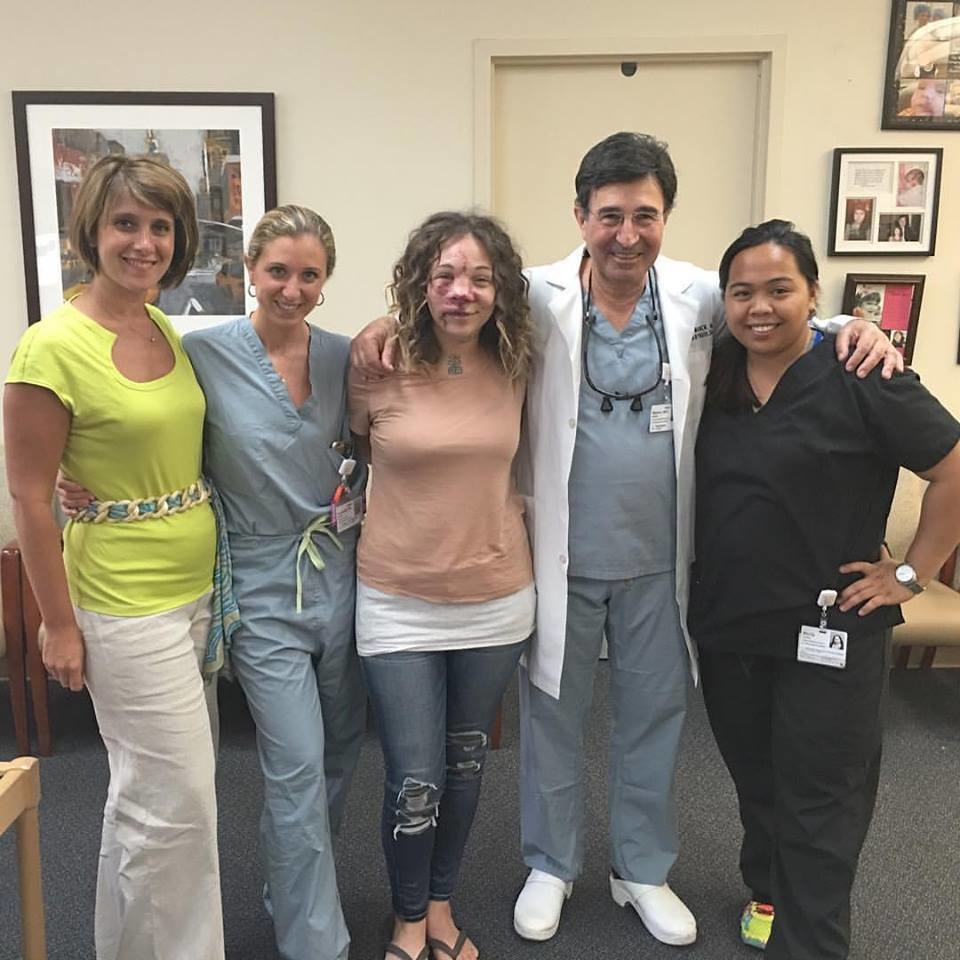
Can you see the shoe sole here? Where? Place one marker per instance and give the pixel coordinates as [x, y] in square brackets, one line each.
[623, 899]
[528, 934]
[540, 935]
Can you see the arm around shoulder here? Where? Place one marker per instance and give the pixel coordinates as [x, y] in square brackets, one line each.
[862, 345]
[372, 350]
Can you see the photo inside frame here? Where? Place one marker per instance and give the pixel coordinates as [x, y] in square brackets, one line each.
[888, 305]
[927, 71]
[210, 162]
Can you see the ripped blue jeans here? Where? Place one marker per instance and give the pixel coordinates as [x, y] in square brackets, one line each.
[433, 712]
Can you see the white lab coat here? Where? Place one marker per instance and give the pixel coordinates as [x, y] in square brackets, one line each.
[692, 313]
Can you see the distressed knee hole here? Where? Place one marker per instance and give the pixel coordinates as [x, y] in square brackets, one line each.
[466, 751]
[416, 809]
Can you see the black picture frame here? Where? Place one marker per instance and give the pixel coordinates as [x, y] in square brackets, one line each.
[58, 133]
[897, 191]
[891, 301]
[922, 80]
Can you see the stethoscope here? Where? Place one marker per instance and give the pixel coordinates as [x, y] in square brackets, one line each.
[590, 319]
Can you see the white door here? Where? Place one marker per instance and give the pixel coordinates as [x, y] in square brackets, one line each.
[547, 113]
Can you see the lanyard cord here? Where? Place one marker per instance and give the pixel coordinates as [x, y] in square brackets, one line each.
[306, 546]
[590, 318]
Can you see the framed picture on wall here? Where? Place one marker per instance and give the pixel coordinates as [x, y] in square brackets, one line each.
[891, 301]
[922, 84]
[884, 201]
[223, 143]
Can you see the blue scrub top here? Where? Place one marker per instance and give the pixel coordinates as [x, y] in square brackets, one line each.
[271, 461]
[622, 487]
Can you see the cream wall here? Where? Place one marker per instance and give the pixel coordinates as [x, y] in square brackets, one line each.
[375, 114]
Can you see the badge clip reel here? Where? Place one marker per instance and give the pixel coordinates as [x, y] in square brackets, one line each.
[820, 645]
[826, 600]
[346, 510]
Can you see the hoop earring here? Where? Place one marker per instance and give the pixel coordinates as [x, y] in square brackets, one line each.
[251, 289]
[322, 300]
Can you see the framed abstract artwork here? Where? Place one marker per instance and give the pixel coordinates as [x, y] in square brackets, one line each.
[223, 144]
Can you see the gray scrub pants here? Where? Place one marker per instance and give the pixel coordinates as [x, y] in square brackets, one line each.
[302, 680]
[650, 679]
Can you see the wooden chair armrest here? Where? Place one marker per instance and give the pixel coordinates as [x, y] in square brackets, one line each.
[23, 613]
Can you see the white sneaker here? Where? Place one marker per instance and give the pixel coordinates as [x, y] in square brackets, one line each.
[536, 914]
[663, 913]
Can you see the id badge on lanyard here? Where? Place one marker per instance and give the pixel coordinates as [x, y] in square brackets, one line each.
[661, 414]
[820, 645]
[346, 508]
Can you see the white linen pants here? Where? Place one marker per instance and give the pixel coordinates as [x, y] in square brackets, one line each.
[158, 881]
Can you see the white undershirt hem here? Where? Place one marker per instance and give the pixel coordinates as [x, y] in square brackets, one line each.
[388, 623]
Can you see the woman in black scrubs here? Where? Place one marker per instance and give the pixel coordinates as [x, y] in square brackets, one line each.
[797, 462]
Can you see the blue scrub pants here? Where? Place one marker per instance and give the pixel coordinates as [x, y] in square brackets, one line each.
[303, 684]
[650, 679]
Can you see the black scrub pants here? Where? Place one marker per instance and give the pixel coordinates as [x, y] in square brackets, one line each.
[802, 743]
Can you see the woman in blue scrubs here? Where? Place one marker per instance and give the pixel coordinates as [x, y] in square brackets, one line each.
[274, 438]
[273, 445]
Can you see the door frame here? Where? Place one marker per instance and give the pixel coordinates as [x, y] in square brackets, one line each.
[768, 52]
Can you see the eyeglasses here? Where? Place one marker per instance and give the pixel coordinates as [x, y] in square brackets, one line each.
[589, 321]
[641, 219]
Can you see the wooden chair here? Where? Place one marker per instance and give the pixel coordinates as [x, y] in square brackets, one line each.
[21, 623]
[933, 617]
[11, 646]
[12, 666]
[19, 800]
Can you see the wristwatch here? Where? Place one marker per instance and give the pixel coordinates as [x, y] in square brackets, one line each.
[907, 577]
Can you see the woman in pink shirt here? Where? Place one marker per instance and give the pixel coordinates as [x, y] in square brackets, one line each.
[445, 596]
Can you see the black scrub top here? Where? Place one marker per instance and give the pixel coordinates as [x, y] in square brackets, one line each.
[788, 493]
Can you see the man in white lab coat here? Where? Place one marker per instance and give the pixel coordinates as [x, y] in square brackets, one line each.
[625, 339]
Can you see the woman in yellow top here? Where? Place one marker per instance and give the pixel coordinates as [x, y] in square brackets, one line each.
[102, 388]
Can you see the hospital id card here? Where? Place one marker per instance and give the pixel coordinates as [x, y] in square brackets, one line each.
[823, 646]
[347, 514]
[661, 417]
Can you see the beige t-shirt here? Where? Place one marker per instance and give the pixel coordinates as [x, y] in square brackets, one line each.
[444, 522]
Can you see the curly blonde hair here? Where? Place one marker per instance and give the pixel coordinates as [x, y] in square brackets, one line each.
[507, 335]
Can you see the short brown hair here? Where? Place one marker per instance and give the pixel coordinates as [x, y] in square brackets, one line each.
[622, 158]
[150, 182]
[507, 335]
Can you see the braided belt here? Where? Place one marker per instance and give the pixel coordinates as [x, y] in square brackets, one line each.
[148, 508]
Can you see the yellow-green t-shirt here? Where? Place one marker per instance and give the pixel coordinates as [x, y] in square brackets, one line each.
[127, 440]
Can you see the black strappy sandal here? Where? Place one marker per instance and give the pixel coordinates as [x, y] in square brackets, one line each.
[402, 954]
[452, 952]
